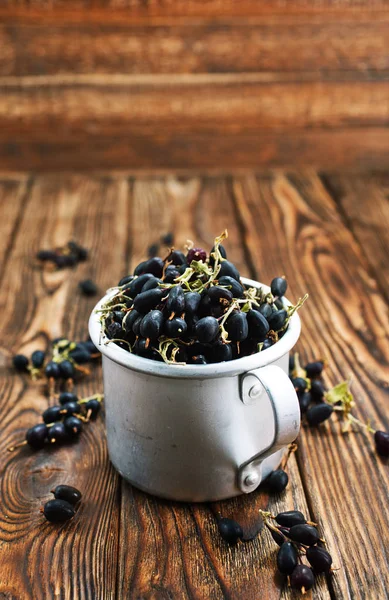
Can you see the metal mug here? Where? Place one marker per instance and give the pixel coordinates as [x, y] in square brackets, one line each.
[198, 432]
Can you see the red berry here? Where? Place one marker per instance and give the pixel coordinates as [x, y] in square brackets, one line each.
[196, 254]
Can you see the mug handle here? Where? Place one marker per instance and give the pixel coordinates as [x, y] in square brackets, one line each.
[286, 410]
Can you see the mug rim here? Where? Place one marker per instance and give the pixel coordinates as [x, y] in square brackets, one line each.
[223, 369]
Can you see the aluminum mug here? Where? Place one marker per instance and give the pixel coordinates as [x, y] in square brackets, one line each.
[198, 432]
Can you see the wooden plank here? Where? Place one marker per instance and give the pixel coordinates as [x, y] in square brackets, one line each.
[292, 227]
[364, 204]
[192, 104]
[361, 148]
[273, 44]
[173, 550]
[40, 560]
[13, 194]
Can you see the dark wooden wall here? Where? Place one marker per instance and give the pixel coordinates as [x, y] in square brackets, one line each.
[193, 84]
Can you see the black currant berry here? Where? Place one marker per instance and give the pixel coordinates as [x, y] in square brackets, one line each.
[237, 326]
[70, 408]
[66, 397]
[220, 352]
[218, 294]
[287, 558]
[73, 426]
[66, 369]
[52, 414]
[52, 370]
[265, 309]
[230, 530]
[81, 356]
[152, 325]
[381, 439]
[125, 280]
[317, 391]
[176, 301]
[277, 320]
[277, 537]
[290, 518]
[320, 413]
[137, 284]
[171, 274]
[46, 255]
[168, 239]
[37, 359]
[20, 362]
[300, 384]
[57, 433]
[93, 407]
[277, 481]
[68, 493]
[177, 258]
[314, 369]
[232, 284]
[192, 302]
[58, 511]
[151, 284]
[302, 578]
[153, 250]
[258, 325]
[88, 287]
[36, 436]
[207, 329]
[278, 286]
[130, 320]
[175, 328]
[228, 269]
[304, 399]
[304, 534]
[146, 301]
[319, 559]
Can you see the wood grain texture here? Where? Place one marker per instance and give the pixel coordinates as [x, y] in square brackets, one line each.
[363, 201]
[293, 228]
[270, 45]
[39, 560]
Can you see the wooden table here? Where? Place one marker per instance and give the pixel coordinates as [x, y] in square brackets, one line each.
[328, 233]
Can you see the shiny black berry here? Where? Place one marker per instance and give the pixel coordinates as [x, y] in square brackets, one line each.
[73, 426]
[68, 493]
[287, 558]
[302, 578]
[152, 324]
[304, 534]
[57, 433]
[317, 391]
[175, 328]
[130, 319]
[320, 413]
[137, 284]
[93, 407]
[81, 356]
[304, 399]
[278, 286]
[314, 369]
[146, 301]
[177, 258]
[52, 370]
[232, 284]
[66, 397]
[290, 518]
[237, 327]
[277, 320]
[381, 439]
[277, 481]
[300, 384]
[66, 369]
[58, 511]
[171, 274]
[37, 359]
[192, 302]
[88, 287]
[168, 238]
[319, 559]
[265, 309]
[207, 329]
[220, 352]
[219, 294]
[258, 325]
[230, 530]
[36, 436]
[52, 414]
[228, 269]
[153, 250]
[176, 301]
[70, 408]
[151, 284]
[126, 279]
[277, 537]
[20, 362]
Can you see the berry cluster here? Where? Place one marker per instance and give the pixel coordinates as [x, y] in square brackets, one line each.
[318, 404]
[193, 309]
[66, 363]
[297, 538]
[62, 423]
[64, 256]
[64, 506]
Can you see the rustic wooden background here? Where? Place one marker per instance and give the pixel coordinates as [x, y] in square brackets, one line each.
[193, 83]
[329, 235]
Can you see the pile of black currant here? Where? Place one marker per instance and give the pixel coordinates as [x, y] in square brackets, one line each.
[194, 309]
[62, 423]
[297, 538]
[317, 404]
[64, 505]
[64, 256]
[66, 363]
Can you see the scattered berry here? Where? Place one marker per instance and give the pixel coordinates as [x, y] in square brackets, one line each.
[230, 530]
[58, 511]
[68, 493]
[88, 287]
[277, 481]
[20, 362]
